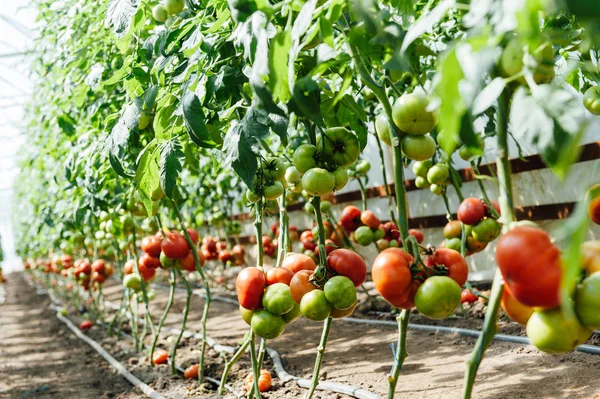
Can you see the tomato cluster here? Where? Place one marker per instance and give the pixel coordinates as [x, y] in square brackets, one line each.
[435, 176]
[531, 267]
[433, 287]
[214, 249]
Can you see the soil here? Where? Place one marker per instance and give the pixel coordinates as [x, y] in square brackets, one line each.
[356, 354]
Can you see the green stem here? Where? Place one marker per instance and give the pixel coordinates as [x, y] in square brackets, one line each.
[186, 311]
[484, 191]
[320, 353]
[447, 205]
[255, 368]
[283, 227]
[234, 359]
[260, 253]
[385, 182]
[148, 318]
[490, 325]
[261, 352]
[455, 183]
[165, 313]
[363, 194]
[401, 352]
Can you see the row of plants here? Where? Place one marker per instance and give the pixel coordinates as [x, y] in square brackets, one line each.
[152, 122]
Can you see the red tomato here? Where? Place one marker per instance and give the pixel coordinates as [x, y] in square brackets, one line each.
[85, 325]
[174, 245]
[192, 372]
[515, 309]
[225, 256]
[348, 263]
[238, 251]
[466, 296]
[392, 277]
[85, 267]
[149, 262]
[458, 270]
[146, 273]
[297, 262]
[129, 266]
[188, 263]
[264, 381]
[495, 204]
[329, 247]
[471, 211]
[279, 275]
[193, 235]
[160, 356]
[530, 265]
[300, 285]
[391, 231]
[369, 219]
[350, 218]
[418, 234]
[98, 266]
[266, 240]
[151, 246]
[250, 286]
[99, 278]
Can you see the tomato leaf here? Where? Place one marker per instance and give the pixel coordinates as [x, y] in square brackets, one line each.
[278, 66]
[195, 122]
[426, 22]
[147, 176]
[119, 13]
[488, 96]
[170, 166]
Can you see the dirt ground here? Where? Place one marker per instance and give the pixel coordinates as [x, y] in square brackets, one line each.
[356, 354]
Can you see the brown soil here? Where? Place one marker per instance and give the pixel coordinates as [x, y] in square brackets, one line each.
[356, 354]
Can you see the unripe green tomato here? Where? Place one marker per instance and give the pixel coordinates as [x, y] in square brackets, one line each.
[410, 114]
[127, 223]
[325, 206]
[486, 230]
[466, 153]
[437, 297]
[382, 128]
[550, 331]
[104, 216]
[267, 325]
[133, 282]
[159, 13]
[315, 306]
[318, 182]
[151, 295]
[421, 182]
[591, 100]
[277, 299]
[304, 157]
[274, 168]
[99, 235]
[144, 121]
[394, 244]
[382, 244]
[438, 174]
[273, 191]
[292, 315]
[251, 196]
[418, 148]
[340, 292]
[437, 189]
[378, 234]
[165, 261]
[309, 208]
[174, 6]
[363, 167]
[420, 168]
[292, 175]
[341, 178]
[363, 235]
[246, 315]
[453, 243]
[587, 301]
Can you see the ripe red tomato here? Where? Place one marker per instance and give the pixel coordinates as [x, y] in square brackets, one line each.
[466, 296]
[151, 246]
[193, 235]
[188, 263]
[369, 219]
[225, 256]
[174, 245]
[458, 270]
[98, 266]
[392, 277]
[192, 372]
[495, 204]
[471, 211]
[85, 325]
[348, 263]
[350, 218]
[329, 247]
[160, 356]
[149, 261]
[98, 278]
[300, 285]
[391, 231]
[85, 267]
[418, 234]
[146, 272]
[250, 286]
[279, 275]
[530, 265]
[264, 381]
[238, 251]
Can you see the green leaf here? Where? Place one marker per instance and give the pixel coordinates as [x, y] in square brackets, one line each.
[195, 122]
[306, 100]
[147, 176]
[278, 66]
[119, 13]
[170, 166]
[163, 127]
[426, 22]
[303, 20]
[488, 96]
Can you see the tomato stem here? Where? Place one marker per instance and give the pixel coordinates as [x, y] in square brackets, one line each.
[363, 194]
[401, 352]
[493, 210]
[165, 313]
[283, 230]
[385, 182]
[255, 367]
[260, 253]
[319, 360]
[490, 325]
[234, 359]
[186, 311]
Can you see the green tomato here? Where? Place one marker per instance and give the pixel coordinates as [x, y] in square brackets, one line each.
[292, 315]
[341, 313]
[378, 234]
[550, 331]
[341, 178]
[511, 61]
[277, 299]
[363, 235]
[418, 148]
[420, 168]
[267, 325]
[421, 182]
[340, 292]
[318, 182]
[437, 297]
[410, 114]
[467, 153]
[127, 222]
[133, 282]
[63, 311]
[363, 167]
[293, 175]
[394, 244]
[438, 174]
[339, 145]
[99, 235]
[159, 13]
[104, 216]
[325, 206]
[587, 301]
[174, 6]
[309, 208]
[315, 306]
[437, 189]
[304, 157]
[486, 230]
[144, 121]
[274, 168]
[251, 196]
[165, 261]
[151, 295]
[453, 243]
[382, 127]
[273, 191]
[591, 100]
